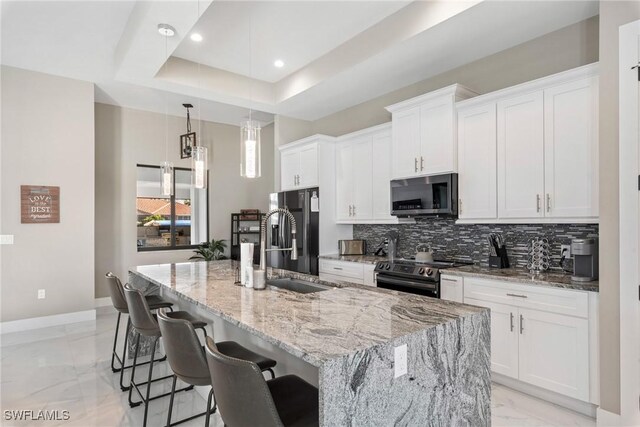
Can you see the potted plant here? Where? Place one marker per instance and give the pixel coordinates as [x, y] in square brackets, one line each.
[210, 251]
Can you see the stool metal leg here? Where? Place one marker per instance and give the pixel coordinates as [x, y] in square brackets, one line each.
[208, 412]
[115, 340]
[273, 375]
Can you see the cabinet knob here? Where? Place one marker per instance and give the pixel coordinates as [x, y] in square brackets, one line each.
[421, 163]
[521, 324]
[548, 202]
[415, 164]
[537, 203]
[350, 213]
[511, 320]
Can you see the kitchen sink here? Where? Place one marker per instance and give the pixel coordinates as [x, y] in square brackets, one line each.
[295, 285]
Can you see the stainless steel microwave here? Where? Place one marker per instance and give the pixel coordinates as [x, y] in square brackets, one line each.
[435, 195]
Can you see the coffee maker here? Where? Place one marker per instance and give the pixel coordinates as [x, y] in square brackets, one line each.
[585, 260]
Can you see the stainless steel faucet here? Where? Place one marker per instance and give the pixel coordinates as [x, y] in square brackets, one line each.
[263, 241]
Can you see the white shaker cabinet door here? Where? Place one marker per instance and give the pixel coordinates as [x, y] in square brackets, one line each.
[289, 169]
[437, 146]
[381, 164]
[406, 143]
[344, 181]
[309, 166]
[362, 174]
[554, 352]
[521, 156]
[504, 337]
[477, 174]
[571, 149]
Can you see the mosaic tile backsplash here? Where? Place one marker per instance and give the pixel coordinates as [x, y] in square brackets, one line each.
[469, 242]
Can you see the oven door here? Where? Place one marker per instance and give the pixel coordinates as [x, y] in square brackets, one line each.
[430, 289]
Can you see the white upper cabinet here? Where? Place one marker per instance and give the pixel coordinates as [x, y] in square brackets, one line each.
[521, 156]
[571, 149]
[424, 133]
[406, 142]
[363, 173]
[299, 165]
[545, 138]
[477, 152]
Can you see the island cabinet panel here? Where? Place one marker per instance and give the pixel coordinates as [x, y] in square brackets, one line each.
[539, 335]
[504, 337]
[554, 352]
[571, 149]
[520, 156]
[346, 271]
[477, 150]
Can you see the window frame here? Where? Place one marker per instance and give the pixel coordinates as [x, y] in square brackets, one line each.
[172, 198]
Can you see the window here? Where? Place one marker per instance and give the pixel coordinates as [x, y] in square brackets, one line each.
[170, 222]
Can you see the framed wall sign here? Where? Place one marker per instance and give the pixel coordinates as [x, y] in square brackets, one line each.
[39, 204]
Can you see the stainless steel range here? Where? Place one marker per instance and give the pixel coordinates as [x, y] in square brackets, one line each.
[407, 275]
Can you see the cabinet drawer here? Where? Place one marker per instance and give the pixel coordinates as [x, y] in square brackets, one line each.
[352, 270]
[561, 301]
[369, 276]
[327, 277]
[451, 288]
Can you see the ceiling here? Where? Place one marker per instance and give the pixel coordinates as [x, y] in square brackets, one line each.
[336, 54]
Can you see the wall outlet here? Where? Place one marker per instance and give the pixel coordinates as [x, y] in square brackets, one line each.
[41, 294]
[567, 254]
[6, 239]
[400, 360]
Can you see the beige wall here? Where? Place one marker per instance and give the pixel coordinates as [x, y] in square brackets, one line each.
[126, 137]
[47, 139]
[613, 14]
[561, 50]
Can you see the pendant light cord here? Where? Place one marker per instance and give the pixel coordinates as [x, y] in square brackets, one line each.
[250, 66]
[200, 97]
[166, 104]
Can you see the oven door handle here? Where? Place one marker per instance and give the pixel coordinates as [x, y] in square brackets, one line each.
[407, 283]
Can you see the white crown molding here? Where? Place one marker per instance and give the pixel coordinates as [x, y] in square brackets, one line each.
[459, 91]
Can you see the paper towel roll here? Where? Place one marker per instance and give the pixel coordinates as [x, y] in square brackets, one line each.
[246, 260]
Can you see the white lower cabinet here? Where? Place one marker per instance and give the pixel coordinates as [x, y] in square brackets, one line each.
[539, 336]
[451, 288]
[347, 271]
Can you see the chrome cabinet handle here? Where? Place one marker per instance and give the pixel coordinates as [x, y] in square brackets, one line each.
[415, 164]
[511, 319]
[548, 203]
[354, 210]
[337, 268]
[537, 202]
[516, 295]
[446, 279]
[421, 163]
[298, 179]
[460, 206]
[350, 214]
[521, 324]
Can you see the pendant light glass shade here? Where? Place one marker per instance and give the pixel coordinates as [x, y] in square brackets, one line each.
[199, 167]
[166, 178]
[250, 149]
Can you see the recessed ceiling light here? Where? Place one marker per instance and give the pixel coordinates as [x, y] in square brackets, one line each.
[278, 63]
[166, 30]
[196, 37]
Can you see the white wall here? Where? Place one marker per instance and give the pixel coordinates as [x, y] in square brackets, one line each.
[47, 139]
[126, 137]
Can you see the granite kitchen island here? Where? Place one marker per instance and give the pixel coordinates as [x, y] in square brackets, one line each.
[349, 334]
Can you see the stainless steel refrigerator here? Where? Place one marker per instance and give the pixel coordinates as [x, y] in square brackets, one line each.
[303, 204]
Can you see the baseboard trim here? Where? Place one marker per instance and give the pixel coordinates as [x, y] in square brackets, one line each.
[102, 302]
[607, 419]
[585, 408]
[46, 321]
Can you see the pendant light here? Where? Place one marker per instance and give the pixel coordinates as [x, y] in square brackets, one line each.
[199, 154]
[166, 169]
[250, 158]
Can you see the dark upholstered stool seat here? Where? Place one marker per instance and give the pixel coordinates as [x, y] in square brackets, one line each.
[185, 315]
[235, 350]
[155, 302]
[296, 401]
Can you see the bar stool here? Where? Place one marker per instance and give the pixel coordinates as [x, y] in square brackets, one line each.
[145, 323]
[116, 292]
[246, 399]
[187, 359]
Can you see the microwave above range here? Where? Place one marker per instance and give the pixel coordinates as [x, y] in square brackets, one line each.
[435, 195]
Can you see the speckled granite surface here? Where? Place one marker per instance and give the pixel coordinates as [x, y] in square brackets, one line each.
[519, 275]
[364, 259]
[349, 333]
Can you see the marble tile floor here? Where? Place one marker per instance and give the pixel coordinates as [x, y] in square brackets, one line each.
[67, 368]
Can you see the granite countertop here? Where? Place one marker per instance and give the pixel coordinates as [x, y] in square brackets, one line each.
[316, 327]
[556, 279]
[364, 259]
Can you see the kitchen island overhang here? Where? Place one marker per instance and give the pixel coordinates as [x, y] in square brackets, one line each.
[350, 334]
